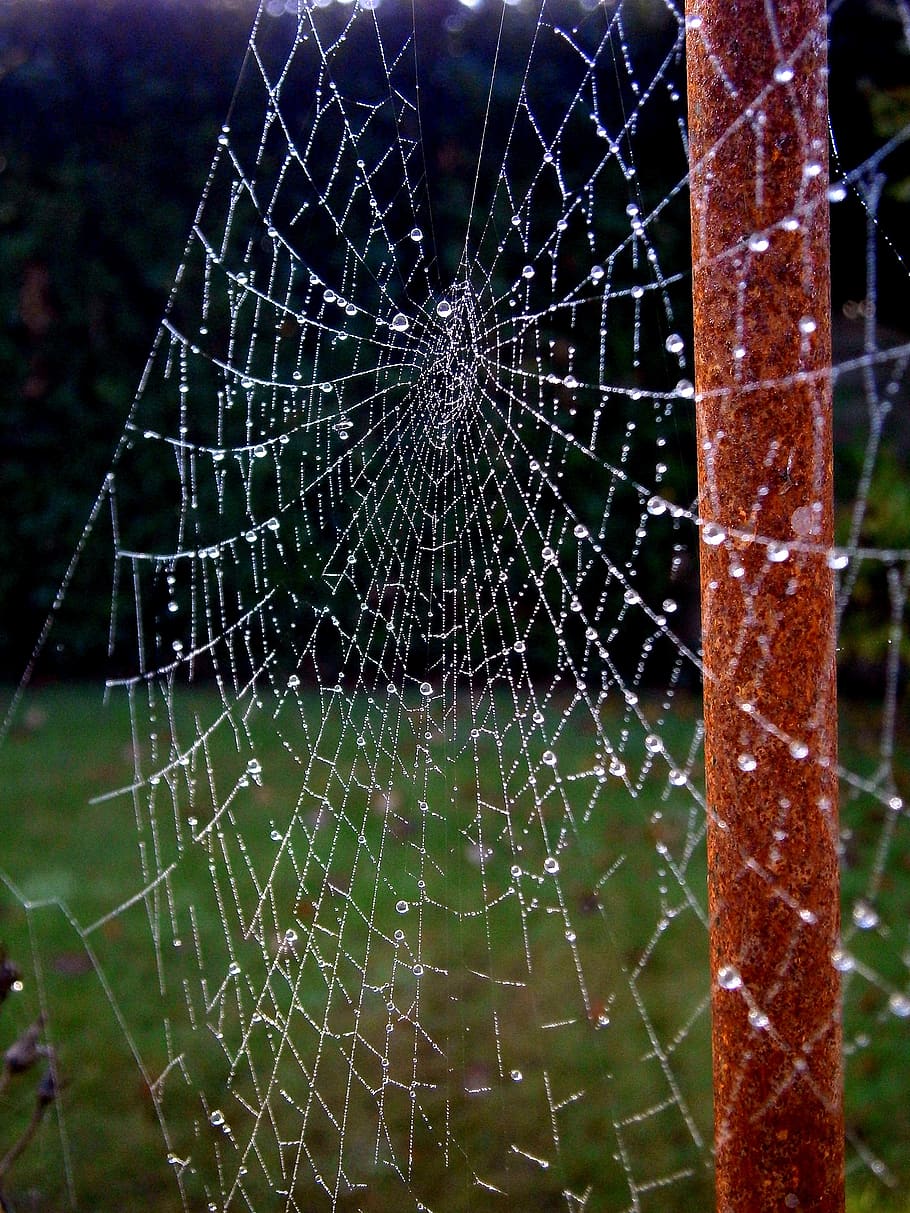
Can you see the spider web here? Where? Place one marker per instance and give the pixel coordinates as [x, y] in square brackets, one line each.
[418, 875]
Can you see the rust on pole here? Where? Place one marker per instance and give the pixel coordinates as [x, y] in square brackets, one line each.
[757, 86]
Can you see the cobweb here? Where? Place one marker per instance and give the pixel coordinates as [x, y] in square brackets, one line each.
[421, 864]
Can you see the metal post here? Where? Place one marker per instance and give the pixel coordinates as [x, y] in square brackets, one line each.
[758, 156]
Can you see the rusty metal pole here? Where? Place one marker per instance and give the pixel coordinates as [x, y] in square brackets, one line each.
[758, 156]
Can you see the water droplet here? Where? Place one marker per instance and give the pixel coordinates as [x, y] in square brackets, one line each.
[290, 936]
[677, 778]
[597, 272]
[837, 192]
[570, 382]
[400, 322]
[528, 272]
[548, 555]
[778, 553]
[842, 960]
[538, 717]
[685, 388]
[653, 744]
[805, 521]
[443, 309]
[580, 531]
[657, 505]
[728, 977]
[713, 534]
[759, 243]
[416, 234]
[216, 1118]
[402, 907]
[548, 758]
[417, 970]
[783, 73]
[865, 916]
[293, 682]
[674, 344]
[899, 1005]
[638, 292]
[668, 606]
[693, 21]
[519, 646]
[807, 325]
[551, 865]
[233, 969]
[838, 560]
[617, 767]
[426, 688]
[254, 766]
[799, 749]
[747, 762]
[758, 1019]
[516, 1076]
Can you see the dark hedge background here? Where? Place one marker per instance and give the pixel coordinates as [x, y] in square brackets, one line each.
[108, 116]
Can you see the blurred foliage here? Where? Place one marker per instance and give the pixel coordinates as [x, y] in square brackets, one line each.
[869, 58]
[890, 110]
[110, 112]
[869, 628]
[108, 125]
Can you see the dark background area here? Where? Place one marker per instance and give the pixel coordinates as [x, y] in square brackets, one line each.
[108, 116]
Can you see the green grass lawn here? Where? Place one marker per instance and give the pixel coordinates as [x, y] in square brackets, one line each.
[228, 935]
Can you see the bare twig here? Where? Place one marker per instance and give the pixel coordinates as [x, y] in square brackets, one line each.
[23, 1053]
[47, 1093]
[18, 1058]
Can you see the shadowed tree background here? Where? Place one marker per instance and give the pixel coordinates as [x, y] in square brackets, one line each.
[110, 112]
